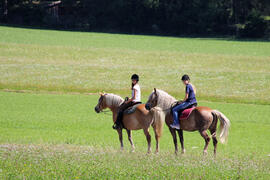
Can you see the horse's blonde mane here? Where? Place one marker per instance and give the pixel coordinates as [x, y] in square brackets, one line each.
[113, 100]
[165, 100]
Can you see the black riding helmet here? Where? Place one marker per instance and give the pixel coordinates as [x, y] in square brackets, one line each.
[135, 77]
[185, 78]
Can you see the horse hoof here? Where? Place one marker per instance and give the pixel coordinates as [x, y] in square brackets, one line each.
[183, 151]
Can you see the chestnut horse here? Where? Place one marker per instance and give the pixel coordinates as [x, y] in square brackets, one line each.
[200, 119]
[140, 119]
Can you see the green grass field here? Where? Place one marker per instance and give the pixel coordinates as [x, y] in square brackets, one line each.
[60, 136]
[221, 69]
[52, 131]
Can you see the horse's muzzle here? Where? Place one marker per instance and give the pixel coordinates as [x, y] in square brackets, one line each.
[147, 107]
[97, 110]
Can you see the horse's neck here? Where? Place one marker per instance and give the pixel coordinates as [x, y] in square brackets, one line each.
[166, 102]
[114, 107]
[114, 112]
[114, 103]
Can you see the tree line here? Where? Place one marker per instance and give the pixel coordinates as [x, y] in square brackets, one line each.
[240, 18]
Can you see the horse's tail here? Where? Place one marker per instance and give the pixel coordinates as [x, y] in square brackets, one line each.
[224, 125]
[158, 119]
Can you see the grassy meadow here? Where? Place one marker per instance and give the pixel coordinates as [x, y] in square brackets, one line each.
[221, 69]
[50, 131]
[60, 136]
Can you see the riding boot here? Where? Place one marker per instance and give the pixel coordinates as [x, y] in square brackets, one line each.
[176, 125]
[117, 124]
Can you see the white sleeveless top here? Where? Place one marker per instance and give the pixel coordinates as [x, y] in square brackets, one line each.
[138, 93]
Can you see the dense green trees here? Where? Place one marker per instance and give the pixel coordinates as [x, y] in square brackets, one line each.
[243, 18]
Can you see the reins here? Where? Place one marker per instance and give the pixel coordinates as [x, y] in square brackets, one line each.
[173, 104]
[106, 112]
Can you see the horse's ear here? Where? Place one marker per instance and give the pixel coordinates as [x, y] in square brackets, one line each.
[155, 90]
[101, 94]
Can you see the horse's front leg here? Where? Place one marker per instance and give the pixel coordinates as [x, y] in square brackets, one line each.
[181, 137]
[120, 137]
[173, 132]
[130, 140]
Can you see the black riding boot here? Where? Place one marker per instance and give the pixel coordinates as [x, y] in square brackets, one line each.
[117, 124]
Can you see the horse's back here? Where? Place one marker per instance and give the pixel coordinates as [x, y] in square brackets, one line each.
[203, 111]
[203, 108]
[141, 108]
[199, 118]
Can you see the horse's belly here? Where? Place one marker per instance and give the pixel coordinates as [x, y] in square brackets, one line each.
[131, 123]
[188, 125]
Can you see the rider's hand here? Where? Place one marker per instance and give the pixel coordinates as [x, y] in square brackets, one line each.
[179, 102]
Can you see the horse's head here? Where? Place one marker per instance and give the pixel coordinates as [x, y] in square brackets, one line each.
[101, 103]
[152, 100]
[161, 99]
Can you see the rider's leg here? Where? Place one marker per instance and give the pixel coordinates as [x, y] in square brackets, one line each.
[120, 114]
[176, 114]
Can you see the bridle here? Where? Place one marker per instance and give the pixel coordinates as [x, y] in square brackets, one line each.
[107, 112]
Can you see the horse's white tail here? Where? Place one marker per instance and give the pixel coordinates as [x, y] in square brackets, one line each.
[158, 119]
[224, 125]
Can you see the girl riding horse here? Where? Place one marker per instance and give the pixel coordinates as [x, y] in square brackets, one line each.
[136, 99]
[189, 101]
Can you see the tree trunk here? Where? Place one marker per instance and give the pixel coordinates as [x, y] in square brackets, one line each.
[5, 9]
[235, 16]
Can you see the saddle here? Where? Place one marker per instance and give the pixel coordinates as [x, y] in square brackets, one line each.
[185, 114]
[131, 109]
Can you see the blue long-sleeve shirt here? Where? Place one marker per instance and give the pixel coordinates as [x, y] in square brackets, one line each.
[191, 94]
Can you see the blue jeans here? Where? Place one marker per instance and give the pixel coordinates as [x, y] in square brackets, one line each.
[177, 108]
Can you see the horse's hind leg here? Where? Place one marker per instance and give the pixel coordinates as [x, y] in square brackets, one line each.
[173, 132]
[213, 133]
[148, 138]
[157, 136]
[181, 137]
[213, 129]
[207, 139]
[130, 140]
[120, 138]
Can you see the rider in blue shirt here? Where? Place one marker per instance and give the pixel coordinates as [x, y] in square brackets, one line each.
[188, 101]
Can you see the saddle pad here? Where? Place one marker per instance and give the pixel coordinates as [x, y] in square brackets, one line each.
[131, 109]
[185, 114]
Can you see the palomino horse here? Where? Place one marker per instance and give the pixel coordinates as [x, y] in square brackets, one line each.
[200, 119]
[140, 119]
